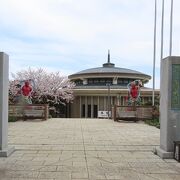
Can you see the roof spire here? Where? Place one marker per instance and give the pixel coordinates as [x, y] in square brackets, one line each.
[108, 56]
[108, 64]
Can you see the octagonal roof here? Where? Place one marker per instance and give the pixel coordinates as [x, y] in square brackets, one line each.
[109, 70]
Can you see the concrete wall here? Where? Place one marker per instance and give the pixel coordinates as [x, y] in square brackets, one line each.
[169, 106]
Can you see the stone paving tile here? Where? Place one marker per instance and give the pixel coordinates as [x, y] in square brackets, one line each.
[80, 175]
[89, 149]
[56, 175]
[123, 174]
[21, 174]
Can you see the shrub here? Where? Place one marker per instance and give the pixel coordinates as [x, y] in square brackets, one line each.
[12, 119]
[153, 122]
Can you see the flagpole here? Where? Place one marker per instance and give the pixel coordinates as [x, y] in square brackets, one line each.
[171, 24]
[162, 30]
[154, 53]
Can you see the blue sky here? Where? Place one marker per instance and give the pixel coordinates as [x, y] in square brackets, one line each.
[73, 35]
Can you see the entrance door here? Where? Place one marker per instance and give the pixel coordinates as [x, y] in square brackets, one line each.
[89, 111]
[83, 111]
[95, 111]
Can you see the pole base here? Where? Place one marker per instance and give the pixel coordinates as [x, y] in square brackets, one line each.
[6, 152]
[162, 153]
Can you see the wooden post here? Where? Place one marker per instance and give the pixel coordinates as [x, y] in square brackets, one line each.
[134, 106]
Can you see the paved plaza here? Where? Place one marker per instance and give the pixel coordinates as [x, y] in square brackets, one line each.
[89, 149]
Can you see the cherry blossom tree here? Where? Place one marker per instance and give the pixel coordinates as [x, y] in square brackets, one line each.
[51, 88]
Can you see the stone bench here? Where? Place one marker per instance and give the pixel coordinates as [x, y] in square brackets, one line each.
[33, 114]
[127, 115]
[132, 113]
[29, 111]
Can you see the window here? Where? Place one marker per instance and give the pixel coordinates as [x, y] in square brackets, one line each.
[78, 82]
[99, 81]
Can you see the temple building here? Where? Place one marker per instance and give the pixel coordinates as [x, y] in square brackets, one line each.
[98, 89]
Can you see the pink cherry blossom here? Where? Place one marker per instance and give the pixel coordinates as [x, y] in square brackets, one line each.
[51, 88]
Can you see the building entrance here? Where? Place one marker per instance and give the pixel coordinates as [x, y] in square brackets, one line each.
[83, 111]
[89, 111]
[95, 111]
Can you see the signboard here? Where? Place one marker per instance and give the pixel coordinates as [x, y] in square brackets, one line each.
[175, 94]
[104, 114]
